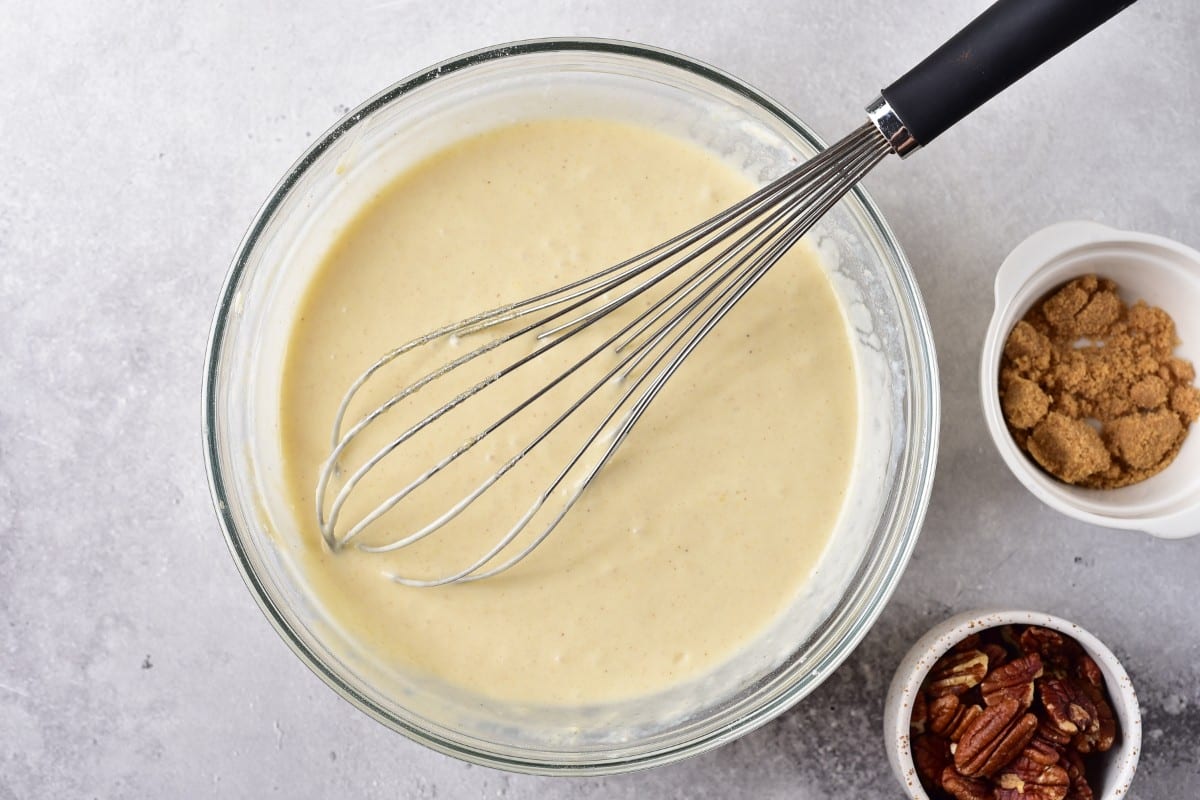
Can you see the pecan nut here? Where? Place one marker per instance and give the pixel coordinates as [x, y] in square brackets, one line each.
[920, 713]
[1042, 752]
[997, 654]
[1080, 791]
[1088, 672]
[1072, 762]
[1043, 641]
[960, 787]
[1026, 779]
[994, 739]
[957, 672]
[1014, 680]
[1068, 707]
[1048, 732]
[948, 717]
[969, 642]
[1100, 737]
[1056, 650]
[931, 754]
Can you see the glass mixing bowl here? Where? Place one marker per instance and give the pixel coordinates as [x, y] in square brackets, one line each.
[897, 382]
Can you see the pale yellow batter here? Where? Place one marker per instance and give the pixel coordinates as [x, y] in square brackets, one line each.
[720, 503]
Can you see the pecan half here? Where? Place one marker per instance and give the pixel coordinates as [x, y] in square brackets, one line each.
[1048, 732]
[963, 788]
[1080, 791]
[957, 672]
[1088, 672]
[1014, 681]
[1056, 650]
[997, 654]
[1099, 738]
[1043, 641]
[931, 754]
[920, 713]
[1026, 779]
[1072, 762]
[1067, 706]
[994, 739]
[969, 642]
[950, 718]
[1042, 752]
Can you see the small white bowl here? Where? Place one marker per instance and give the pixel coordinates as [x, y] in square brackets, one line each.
[1119, 763]
[1151, 268]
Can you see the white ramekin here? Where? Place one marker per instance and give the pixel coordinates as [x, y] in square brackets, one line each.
[1151, 268]
[1120, 763]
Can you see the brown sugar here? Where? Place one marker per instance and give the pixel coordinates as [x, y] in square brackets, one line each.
[1068, 448]
[1090, 387]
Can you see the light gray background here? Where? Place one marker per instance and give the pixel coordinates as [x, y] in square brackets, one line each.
[138, 140]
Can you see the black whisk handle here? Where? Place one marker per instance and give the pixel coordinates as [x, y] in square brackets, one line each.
[994, 51]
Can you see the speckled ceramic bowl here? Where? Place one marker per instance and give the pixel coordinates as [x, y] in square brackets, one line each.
[1118, 764]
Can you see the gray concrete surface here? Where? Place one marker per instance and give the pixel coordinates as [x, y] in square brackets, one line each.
[138, 139]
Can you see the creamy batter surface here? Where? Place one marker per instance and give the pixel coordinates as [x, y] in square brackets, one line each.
[693, 540]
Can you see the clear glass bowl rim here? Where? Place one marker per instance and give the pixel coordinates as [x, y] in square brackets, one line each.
[919, 460]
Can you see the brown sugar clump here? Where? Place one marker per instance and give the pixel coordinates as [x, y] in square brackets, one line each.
[1024, 403]
[1185, 401]
[1143, 440]
[1068, 448]
[1086, 306]
[1027, 348]
[1149, 392]
[1090, 388]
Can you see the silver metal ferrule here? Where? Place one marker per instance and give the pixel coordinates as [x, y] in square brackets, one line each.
[892, 127]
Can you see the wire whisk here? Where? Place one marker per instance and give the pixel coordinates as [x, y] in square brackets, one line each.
[694, 279]
[682, 288]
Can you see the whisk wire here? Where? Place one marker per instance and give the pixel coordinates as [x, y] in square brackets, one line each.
[755, 233]
[734, 293]
[480, 322]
